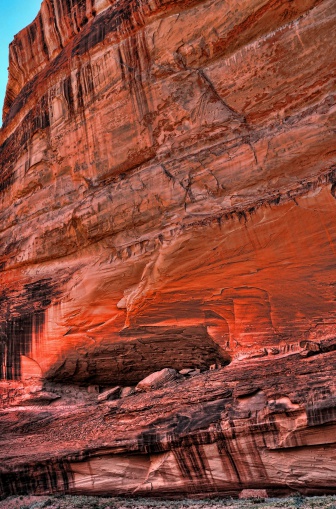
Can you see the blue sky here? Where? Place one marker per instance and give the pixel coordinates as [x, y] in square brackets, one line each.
[15, 15]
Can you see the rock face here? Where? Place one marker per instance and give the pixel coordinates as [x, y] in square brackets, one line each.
[167, 200]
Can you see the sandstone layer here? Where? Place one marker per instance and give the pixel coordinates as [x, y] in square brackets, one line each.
[167, 200]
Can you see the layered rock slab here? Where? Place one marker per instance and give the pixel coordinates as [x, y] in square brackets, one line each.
[167, 191]
[243, 426]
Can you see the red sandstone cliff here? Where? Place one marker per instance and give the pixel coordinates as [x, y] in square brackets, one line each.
[167, 194]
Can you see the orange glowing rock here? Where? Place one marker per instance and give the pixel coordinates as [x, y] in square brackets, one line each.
[167, 192]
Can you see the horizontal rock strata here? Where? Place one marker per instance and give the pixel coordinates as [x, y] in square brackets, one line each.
[256, 424]
[167, 200]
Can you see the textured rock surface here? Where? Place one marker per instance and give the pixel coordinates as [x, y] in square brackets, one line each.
[262, 424]
[167, 200]
[157, 380]
[110, 394]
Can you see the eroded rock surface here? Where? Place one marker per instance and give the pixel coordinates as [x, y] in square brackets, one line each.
[167, 200]
[260, 425]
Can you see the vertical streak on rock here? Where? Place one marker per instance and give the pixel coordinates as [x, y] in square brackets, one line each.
[21, 336]
[51, 477]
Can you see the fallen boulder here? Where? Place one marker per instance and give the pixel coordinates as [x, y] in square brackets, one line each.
[157, 380]
[110, 394]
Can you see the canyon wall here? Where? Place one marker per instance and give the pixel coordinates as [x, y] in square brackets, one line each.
[167, 200]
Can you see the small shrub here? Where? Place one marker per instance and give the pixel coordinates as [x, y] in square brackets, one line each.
[298, 500]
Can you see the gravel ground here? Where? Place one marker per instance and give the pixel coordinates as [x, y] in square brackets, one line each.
[81, 502]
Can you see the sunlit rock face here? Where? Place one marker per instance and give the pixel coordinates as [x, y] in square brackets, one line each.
[167, 200]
